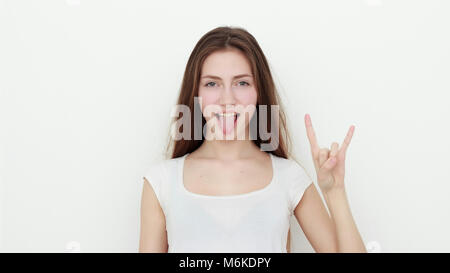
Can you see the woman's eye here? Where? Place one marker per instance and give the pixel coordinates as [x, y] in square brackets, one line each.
[208, 84]
[243, 83]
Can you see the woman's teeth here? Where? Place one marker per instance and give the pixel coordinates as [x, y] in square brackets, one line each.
[227, 114]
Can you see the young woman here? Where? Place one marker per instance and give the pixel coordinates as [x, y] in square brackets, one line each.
[226, 188]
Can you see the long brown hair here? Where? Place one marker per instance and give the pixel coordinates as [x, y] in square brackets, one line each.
[222, 38]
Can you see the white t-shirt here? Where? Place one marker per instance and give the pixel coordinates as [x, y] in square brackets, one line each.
[257, 221]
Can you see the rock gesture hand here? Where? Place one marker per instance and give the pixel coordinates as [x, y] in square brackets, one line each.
[329, 164]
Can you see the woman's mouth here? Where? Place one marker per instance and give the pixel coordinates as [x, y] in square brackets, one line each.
[227, 121]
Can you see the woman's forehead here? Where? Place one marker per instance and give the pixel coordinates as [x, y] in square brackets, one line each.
[226, 64]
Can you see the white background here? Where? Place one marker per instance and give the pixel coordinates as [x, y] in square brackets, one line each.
[87, 88]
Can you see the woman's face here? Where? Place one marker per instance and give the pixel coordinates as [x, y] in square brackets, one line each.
[227, 86]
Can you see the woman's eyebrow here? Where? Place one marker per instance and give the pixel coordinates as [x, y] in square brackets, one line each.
[235, 77]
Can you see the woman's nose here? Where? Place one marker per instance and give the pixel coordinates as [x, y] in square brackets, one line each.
[227, 95]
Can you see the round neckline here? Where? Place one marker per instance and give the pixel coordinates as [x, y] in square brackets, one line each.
[184, 189]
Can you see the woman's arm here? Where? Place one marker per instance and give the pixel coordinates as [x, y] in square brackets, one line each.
[315, 221]
[348, 237]
[337, 233]
[153, 237]
[330, 170]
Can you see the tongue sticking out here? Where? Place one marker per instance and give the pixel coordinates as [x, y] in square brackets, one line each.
[227, 124]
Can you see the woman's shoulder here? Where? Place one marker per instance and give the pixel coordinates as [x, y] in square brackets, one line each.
[289, 167]
[162, 167]
[283, 163]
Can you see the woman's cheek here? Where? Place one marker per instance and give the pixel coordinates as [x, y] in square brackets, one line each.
[207, 99]
[247, 97]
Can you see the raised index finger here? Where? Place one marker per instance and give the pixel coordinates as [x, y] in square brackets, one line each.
[311, 135]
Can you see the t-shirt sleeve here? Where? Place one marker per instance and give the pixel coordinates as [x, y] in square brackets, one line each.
[298, 182]
[155, 176]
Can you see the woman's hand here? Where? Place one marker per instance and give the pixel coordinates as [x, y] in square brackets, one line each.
[329, 165]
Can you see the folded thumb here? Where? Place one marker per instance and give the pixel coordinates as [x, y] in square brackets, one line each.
[330, 163]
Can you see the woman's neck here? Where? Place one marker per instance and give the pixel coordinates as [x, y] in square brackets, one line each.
[228, 149]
